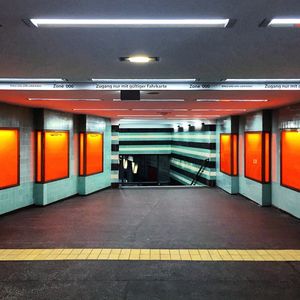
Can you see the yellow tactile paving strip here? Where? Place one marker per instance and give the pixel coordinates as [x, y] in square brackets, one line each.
[149, 254]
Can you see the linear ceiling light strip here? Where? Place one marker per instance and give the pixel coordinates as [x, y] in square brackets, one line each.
[218, 23]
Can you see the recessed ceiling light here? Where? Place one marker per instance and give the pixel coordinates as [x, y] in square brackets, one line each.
[222, 23]
[101, 109]
[209, 116]
[232, 100]
[62, 99]
[277, 22]
[138, 115]
[160, 109]
[139, 59]
[197, 116]
[155, 100]
[162, 100]
[219, 109]
[32, 79]
[135, 118]
[263, 80]
[191, 118]
[143, 80]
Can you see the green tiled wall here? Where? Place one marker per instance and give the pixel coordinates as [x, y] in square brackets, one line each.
[93, 183]
[22, 195]
[28, 192]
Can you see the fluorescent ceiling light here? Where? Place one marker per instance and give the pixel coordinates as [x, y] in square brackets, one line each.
[208, 116]
[153, 100]
[138, 115]
[219, 109]
[232, 100]
[101, 109]
[162, 100]
[263, 80]
[197, 116]
[284, 22]
[32, 79]
[135, 119]
[191, 118]
[139, 59]
[143, 80]
[62, 99]
[160, 109]
[130, 22]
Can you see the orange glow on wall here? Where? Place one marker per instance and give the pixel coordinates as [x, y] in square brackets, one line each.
[290, 159]
[91, 153]
[228, 154]
[267, 157]
[253, 155]
[235, 154]
[257, 156]
[81, 154]
[94, 153]
[39, 156]
[52, 157]
[56, 161]
[9, 158]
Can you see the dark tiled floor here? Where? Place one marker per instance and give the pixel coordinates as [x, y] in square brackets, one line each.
[175, 218]
[149, 218]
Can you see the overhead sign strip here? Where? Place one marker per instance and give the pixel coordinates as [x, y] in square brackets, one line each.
[160, 86]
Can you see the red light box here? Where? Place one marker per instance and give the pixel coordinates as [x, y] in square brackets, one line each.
[90, 153]
[290, 159]
[228, 154]
[9, 157]
[257, 156]
[52, 155]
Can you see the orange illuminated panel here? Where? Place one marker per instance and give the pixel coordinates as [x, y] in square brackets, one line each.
[91, 153]
[235, 154]
[267, 157]
[253, 155]
[9, 157]
[81, 153]
[228, 154]
[56, 155]
[225, 153]
[39, 136]
[290, 159]
[257, 156]
[94, 153]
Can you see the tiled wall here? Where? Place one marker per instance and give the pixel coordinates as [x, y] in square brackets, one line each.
[282, 197]
[228, 183]
[190, 148]
[145, 140]
[29, 192]
[264, 194]
[22, 195]
[50, 192]
[93, 183]
[260, 193]
[115, 155]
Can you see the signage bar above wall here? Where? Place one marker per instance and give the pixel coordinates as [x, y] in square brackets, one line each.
[184, 86]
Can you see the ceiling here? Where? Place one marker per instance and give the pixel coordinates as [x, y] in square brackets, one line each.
[244, 51]
[176, 110]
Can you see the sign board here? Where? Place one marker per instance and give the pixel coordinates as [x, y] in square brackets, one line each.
[159, 86]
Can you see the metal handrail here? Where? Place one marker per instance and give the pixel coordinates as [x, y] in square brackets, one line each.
[200, 171]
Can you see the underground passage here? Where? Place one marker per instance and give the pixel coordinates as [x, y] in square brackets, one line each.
[149, 150]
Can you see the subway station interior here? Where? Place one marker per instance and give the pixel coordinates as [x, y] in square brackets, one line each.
[150, 149]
